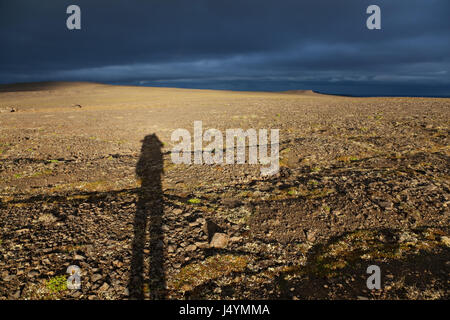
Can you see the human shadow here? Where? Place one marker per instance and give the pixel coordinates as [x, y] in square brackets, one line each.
[148, 223]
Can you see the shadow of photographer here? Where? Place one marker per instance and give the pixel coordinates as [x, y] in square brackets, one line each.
[148, 222]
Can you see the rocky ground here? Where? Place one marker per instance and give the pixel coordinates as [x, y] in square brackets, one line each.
[363, 181]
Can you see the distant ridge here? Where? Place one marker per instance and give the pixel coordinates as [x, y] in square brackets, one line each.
[47, 85]
[302, 92]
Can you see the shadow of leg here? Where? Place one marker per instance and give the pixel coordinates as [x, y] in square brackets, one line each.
[136, 282]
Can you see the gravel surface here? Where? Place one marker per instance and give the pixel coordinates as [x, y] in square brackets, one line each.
[86, 179]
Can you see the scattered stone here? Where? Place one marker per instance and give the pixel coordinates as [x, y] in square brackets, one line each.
[235, 239]
[311, 235]
[33, 273]
[7, 278]
[407, 237]
[78, 257]
[49, 215]
[104, 287]
[191, 247]
[202, 245]
[17, 294]
[177, 211]
[446, 240]
[386, 205]
[117, 263]
[231, 202]
[47, 218]
[95, 277]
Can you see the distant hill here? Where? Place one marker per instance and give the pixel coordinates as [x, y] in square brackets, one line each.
[44, 86]
[302, 92]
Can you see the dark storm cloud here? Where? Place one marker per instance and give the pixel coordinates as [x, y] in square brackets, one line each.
[284, 44]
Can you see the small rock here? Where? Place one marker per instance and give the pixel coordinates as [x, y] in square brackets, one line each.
[202, 245]
[231, 202]
[446, 240]
[191, 247]
[117, 264]
[17, 294]
[33, 273]
[186, 288]
[95, 277]
[7, 278]
[310, 235]
[386, 205]
[104, 287]
[219, 240]
[236, 239]
[47, 218]
[406, 237]
[177, 211]
[78, 257]
[200, 220]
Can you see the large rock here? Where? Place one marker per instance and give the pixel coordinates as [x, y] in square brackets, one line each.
[219, 240]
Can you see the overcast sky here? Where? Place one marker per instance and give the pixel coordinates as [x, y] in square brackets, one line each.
[235, 44]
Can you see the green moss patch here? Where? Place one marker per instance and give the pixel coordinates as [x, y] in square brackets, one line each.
[213, 267]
